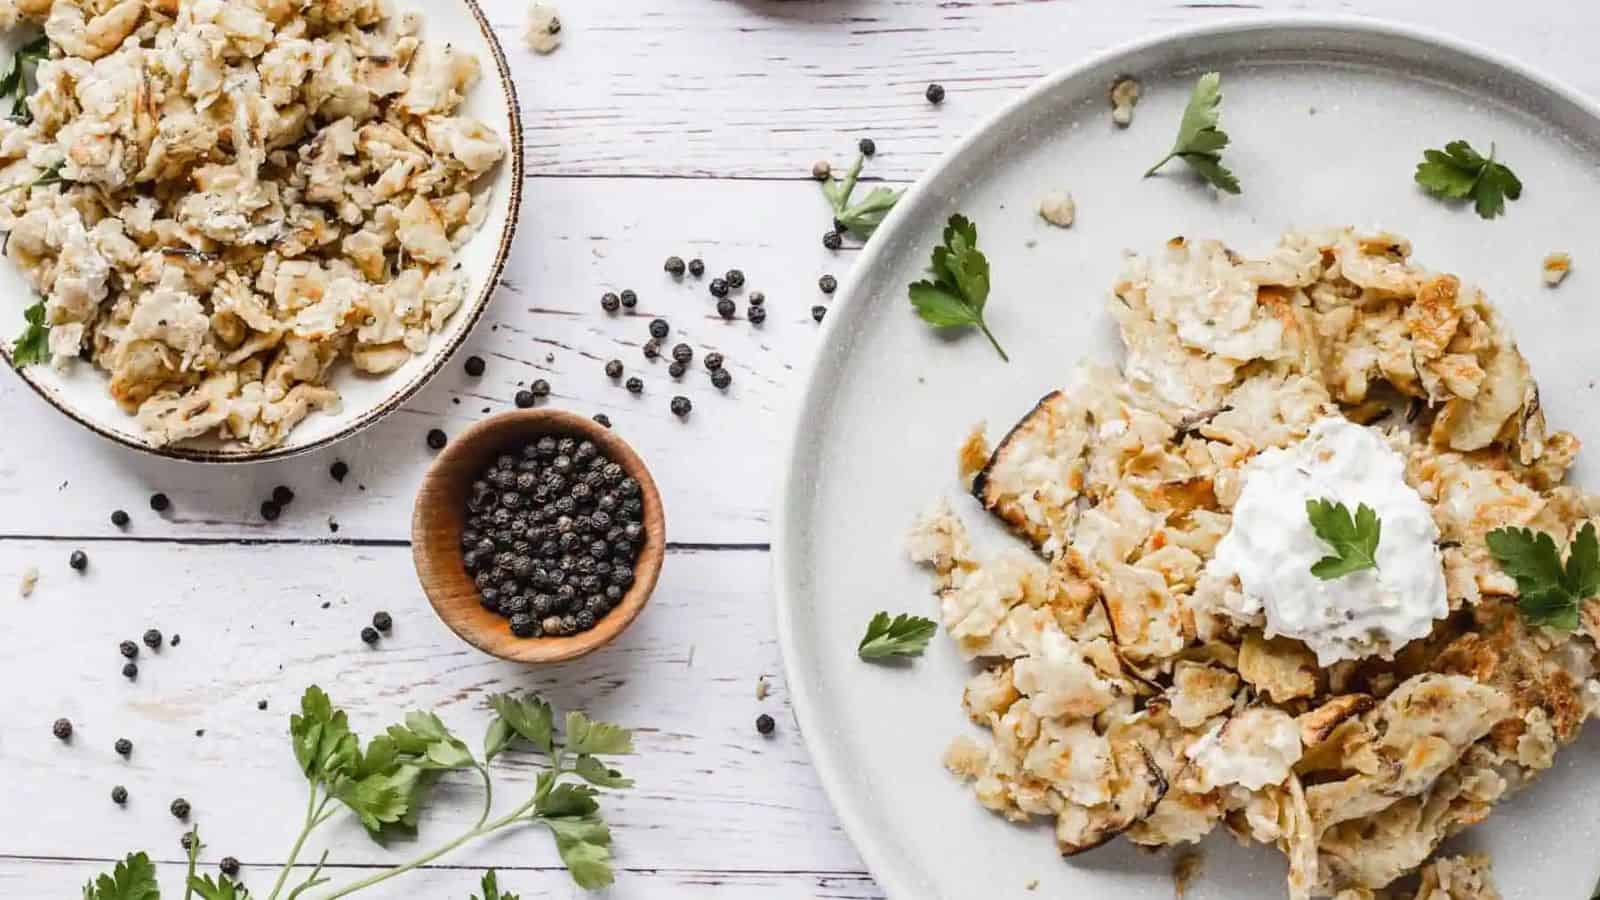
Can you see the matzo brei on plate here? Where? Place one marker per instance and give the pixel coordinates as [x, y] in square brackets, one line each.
[249, 192]
[1131, 687]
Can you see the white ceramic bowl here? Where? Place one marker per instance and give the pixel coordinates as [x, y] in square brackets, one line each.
[79, 391]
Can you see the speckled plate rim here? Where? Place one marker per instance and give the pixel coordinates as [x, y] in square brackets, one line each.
[790, 517]
[400, 396]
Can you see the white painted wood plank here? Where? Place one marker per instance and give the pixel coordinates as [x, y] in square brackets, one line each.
[581, 237]
[764, 87]
[31, 879]
[711, 793]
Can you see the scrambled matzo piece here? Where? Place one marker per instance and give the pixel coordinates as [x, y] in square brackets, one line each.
[248, 193]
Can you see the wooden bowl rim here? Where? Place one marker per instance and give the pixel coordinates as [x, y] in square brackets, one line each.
[438, 561]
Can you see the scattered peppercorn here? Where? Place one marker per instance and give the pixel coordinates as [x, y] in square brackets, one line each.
[130, 670]
[630, 299]
[697, 267]
[681, 406]
[651, 349]
[683, 353]
[635, 385]
[721, 378]
[659, 328]
[756, 314]
[78, 560]
[129, 649]
[735, 278]
[437, 438]
[152, 639]
[261, 704]
[675, 266]
[270, 511]
[832, 240]
[765, 724]
[758, 299]
[540, 387]
[817, 312]
[726, 308]
[282, 495]
[338, 470]
[176, 639]
[119, 795]
[718, 287]
[821, 171]
[610, 302]
[677, 369]
[187, 841]
[523, 399]
[62, 729]
[159, 502]
[603, 419]
[867, 147]
[475, 366]
[369, 635]
[119, 518]
[382, 621]
[179, 808]
[614, 368]
[229, 866]
[713, 361]
[935, 93]
[123, 746]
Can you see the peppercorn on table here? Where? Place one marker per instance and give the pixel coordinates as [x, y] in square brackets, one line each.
[658, 128]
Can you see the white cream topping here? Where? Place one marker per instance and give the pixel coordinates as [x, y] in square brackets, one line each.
[1271, 547]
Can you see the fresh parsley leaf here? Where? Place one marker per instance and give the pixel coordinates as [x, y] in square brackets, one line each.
[496, 739]
[960, 287]
[12, 82]
[379, 799]
[1458, 172]
[491, 889]
[598, 773]
[1200, 140]
[584, 735]
[567, 800]
[1354, 541]
[132, 879]
[584, 843]
[1550, 594]
[33, 345]
[323, 743]
[222, 889]
[904, 635]
[863, 218]
[428, 744]
[529, 717]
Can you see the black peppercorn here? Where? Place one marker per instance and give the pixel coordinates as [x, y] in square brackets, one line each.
[629, 299]
[867, 147]
[832, 240]
[261, 704]
[282, 495]
[828, 284]
[159, 502]
[270, 510]
[610, 302]
[934, 93]
[817, 312]
[229, 866]
[119, 795]
[756, 314]
[130, 670]
[697, 267]
[659, 328]
[726, 308]
[369, 635]
[721, 378]
[765, 724]
[179, 808]
[674, 266]
[713, 361]
[62, 729]
[382, 621]
[176, 639]
[682, 353]
[652, 349]
[677, 369]
[524, 399]
[437, 439]
[757, 298]
[603, 419]
[718, 288]
[123, 746]
[78, 560]
[735, 278]
[338, 470]
[475, 366]
[681, 406]
[119, 518]
[152, 639]
[614, 368]
[523, 625]
[635, 385]
[187, 841]
[540, 387]
[129, 649]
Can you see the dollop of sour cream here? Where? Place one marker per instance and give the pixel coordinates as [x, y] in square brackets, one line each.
[1272, 546]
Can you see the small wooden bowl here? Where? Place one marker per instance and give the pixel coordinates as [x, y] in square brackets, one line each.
[440, 515]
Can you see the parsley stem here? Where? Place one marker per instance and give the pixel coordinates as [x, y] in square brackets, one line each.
[194, 855]
[314, 817]
[1164, 160]
[983, 327]
[479, 831]
[488, 793]
[850, 179]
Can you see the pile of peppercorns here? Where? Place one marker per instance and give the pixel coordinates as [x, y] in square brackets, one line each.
[552, 535]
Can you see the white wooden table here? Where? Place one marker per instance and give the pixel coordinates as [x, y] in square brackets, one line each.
[661, 127]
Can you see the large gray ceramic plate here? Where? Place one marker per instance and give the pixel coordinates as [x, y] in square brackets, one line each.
[1328, 120]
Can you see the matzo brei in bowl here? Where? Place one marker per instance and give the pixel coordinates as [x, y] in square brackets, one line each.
[1134, 684]
[220, 202]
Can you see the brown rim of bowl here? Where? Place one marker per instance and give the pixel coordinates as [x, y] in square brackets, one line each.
[399, 398]
[439, 514]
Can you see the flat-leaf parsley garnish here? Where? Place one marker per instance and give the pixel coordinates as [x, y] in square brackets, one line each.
[132, 879]
[12, 82]
[1200, 140]
[1549, 593]
[861, 218]
[1458, 172]
[960, 287]
[904, 635]
[33, 346]
[1354, 540]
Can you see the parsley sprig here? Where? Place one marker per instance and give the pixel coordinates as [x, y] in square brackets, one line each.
[13, 84]
[904, 635]
[1549, 593]
[960, 287]
[1354, 540]
[33, 345]
[491, 889]
[132, 879]
[1200, 140]
[1458, 172]
[864, 217]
